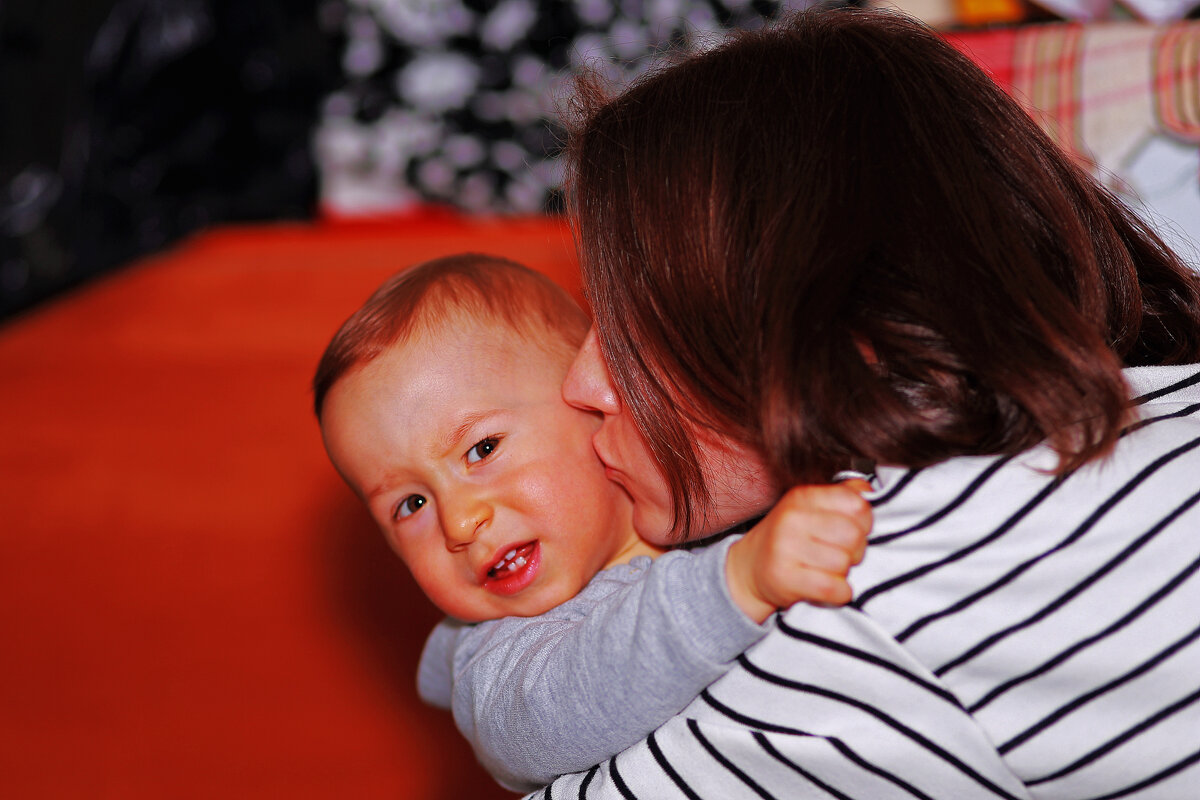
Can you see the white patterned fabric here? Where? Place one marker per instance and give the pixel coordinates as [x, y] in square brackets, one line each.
[1014, 635]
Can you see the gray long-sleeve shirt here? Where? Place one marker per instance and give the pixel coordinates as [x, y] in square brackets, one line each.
[541, 696]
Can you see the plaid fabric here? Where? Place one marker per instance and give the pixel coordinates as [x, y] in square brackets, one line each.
[1046, 77]
[1177, 81]
[1122, 98]
[1097, 88]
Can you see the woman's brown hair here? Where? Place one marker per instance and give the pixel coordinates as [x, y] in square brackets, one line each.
[837, 239]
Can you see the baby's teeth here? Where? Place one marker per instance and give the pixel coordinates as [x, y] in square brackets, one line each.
[520, 562]
[510, 554]
[512, 565]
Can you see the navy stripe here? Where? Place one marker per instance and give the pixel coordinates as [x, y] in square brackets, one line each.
[726, 763]
[962, 553]
[758, 724]
[870, 658]
[957, 555]
[888, 585]
[1140, 609]
[586, 780]
[1071, 594]
[1174, 387]
[1186, 411]
[1178, 766]
[765, 744]
[884, 499]
[1076, 590]
[675, 777]
[1087, 697]
[886, 719]
[980, 479]
[546, 794]
[963, 496]
[618, 781]
[1120, 739]
[846, 751]
[1020, 569]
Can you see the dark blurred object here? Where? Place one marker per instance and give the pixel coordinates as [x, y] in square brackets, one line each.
[456, 102]
[130, 124]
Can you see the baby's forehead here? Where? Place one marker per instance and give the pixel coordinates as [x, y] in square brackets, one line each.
[524, 331]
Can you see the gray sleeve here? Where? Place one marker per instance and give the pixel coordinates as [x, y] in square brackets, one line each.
[542, 696]
[435, 671]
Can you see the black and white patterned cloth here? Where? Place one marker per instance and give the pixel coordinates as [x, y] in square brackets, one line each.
[181, 114]
[1013, 636]
[455, 102]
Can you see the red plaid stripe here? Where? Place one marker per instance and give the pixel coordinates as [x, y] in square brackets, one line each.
[992, 50]
[1046, 70]
[1177, 81]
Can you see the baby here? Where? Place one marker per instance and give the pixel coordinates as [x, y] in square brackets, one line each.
[439, 402]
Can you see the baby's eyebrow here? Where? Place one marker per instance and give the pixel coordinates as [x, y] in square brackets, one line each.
[469, 420]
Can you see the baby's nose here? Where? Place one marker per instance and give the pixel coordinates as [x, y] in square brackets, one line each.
[462, 523]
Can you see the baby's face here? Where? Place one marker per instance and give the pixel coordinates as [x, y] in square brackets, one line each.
[483, 480]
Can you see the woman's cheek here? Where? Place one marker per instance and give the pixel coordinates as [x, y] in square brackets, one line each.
[654, 515]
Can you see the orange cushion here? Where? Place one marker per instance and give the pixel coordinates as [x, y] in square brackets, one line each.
[192, 604]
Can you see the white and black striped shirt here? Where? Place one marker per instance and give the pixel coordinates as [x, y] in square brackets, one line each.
[1015, 635]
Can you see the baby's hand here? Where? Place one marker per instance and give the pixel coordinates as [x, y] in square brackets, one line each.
[802, 550]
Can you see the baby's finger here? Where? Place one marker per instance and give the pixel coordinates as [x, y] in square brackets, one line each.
[813, 585]
[828, 558]
[831, 497]
[857, 484]
[842, 531]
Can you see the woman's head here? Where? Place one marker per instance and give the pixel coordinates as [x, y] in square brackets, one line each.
[737, 484]
[837, 239]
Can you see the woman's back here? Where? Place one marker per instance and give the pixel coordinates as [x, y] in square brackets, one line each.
[1062, 614]
[1014, 635]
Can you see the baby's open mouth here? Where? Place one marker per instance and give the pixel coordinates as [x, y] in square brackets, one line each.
[511, 561]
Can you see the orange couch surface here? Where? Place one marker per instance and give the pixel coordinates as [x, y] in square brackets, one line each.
[192, 604]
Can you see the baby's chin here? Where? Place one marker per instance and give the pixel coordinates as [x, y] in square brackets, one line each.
[535, 602]
[539, 602]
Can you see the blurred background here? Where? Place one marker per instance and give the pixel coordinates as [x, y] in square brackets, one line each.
[193, 195]
[128, 124]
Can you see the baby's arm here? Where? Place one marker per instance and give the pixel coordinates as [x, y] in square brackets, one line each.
[545, 695]
[540, 696]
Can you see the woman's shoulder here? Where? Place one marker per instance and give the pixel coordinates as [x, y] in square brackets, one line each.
[1176, 383]
[1165, 401]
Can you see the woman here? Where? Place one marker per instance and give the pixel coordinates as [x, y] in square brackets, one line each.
[836, 242]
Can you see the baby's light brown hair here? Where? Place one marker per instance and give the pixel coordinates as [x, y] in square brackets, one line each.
[436, 293]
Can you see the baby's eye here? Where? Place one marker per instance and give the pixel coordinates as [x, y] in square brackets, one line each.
[409, 506]
[482, 449]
